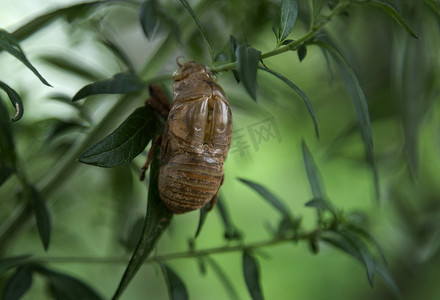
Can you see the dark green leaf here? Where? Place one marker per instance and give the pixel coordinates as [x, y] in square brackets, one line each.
[312, 173]
[223, 278]
[301, 93]
[15, 100]
[9, 44]
[7, 148]
[289, 13]
[203, 212]
[251, 274]
[360, 105]
[42, 217]
[125, 143]
[322, 205]
[267, 195]
[248, 59]
[66, 287]
[148, 17]
[42, 21]
[12, 262]
[199, 25]
[434, 6]
[5, 173]
[71, 65]
[60, 127]
[388, 280]
[231, 233]
[176, 287]
[119, 84]
[18, 284]
[134, 234]
[234, 46]
[354, 247]
[302, 52]
[392, 12]
[157, 220]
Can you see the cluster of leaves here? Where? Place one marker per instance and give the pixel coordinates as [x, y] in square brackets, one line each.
[343, 231]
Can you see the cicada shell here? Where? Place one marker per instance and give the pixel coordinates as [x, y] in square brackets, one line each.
[196, 140]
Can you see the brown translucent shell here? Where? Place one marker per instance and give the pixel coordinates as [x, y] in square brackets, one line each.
[196, 140]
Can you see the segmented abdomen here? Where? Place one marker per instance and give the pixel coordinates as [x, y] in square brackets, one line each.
[189, 182]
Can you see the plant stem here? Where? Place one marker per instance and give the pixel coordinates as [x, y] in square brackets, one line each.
[293, 45]
[183, 255]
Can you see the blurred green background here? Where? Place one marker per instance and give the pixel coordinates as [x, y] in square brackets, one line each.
[94, 209]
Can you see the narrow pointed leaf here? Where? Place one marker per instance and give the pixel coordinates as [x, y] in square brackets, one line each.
[5, 173]
[312, 173]
[119, 84]
[392, 12]
[7, 148]
[231, 233]
[125, 143]
[199, 26]
[156, 222]
[176, 287]
[234, 46]
[322, 205]
[203, 212]
[251, 274]
[120, 54]
[148, 17]
[9, 44]
[18, 284]
[248, 59]
[66, 287]
[42, 21]
[15, 99]
[301, 93]
[232, 293]
[42, 217]
[267, 195]
[71, 65]
[361, 107]
[12, 262]
[302, 52]
[355, 248]
[388, 280]
[289, 13]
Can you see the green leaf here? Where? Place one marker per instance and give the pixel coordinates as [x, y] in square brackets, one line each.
[234, 46]
[322, 205]
[119, 84]
[70, 65]
[434, 6]
[392, 12]
[125, 142]
[361, 108]
[18, 284]
[60, 127]
[120, 54]
[7, 148]
[301, 93]
[148, 17]
[9, 44]
[42, 217]
[267, 195]
[231, 233]
[248, 59]
[176, 287]
[203, 212]
[289, 13]
[66, 287]
[224, 279]
[42, 21]
[5, 173]
[251, 274]
[15, 100]
[302, 52]
[199, 26]
[388, 280]
[312, 173]
[354, 247]
[12, 262]
[156, 222]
